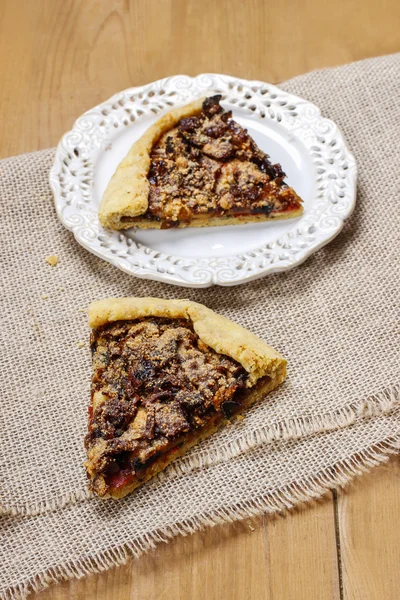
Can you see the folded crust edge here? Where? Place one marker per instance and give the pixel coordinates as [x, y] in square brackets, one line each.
[126, 195]
[221, 334]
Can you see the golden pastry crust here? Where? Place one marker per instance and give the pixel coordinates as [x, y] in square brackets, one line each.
[127, 193]
[223, 221]
[221, 334]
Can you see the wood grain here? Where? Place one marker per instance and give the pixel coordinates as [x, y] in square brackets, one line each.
[369, 535]
[61, 57]
[227, 559]
[285, 558]
[301, 554]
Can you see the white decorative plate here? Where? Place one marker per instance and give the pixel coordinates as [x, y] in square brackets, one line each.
[292, 131]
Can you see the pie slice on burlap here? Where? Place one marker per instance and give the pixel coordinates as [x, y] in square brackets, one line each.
[196, 167]
[166, 375]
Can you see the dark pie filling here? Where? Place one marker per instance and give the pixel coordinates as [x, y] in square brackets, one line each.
[208, 166]
[159, 385]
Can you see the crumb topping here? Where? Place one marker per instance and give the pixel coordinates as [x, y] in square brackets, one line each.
[154, 382]
[208, 165]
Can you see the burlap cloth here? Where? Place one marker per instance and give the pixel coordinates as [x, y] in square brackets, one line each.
[334, 318]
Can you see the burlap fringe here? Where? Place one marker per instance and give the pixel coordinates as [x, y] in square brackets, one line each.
[279, 501]
[381, 403]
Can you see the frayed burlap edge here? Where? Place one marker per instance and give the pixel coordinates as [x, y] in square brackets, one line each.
[281, 500]
[378, 404]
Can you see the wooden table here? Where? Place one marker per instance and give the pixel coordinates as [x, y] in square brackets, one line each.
[61, 57]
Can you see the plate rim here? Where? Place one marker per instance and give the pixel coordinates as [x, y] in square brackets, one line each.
[208, 267]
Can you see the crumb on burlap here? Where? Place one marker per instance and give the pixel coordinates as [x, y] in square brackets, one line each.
[45, 297]
[82, 310]
[52, 260]
[81, 344]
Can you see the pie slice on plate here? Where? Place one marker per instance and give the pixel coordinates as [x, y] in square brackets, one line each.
[166, 375]
[196, 167]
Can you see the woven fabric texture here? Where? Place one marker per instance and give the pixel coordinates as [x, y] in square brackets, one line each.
[335, 318]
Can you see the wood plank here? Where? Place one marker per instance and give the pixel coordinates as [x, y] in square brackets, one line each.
[285, 558]
[369, 535]
[301, 554]
[222, 562]
[66, 57]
